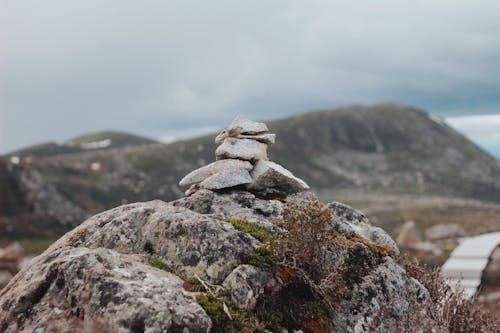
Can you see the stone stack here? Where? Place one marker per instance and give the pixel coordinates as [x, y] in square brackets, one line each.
[241, 161]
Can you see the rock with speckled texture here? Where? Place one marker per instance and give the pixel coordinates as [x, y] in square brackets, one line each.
[270, 177]
[244, 149]
[75, 286]
[206, 171]
[225, 179]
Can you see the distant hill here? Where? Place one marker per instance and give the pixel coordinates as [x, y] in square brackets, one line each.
[355, 154]
[88, 142]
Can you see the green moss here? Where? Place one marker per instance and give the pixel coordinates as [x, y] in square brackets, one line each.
[157, 263]
[356, 270]
[271, 313]
[190, 283]
[263, 256]
[243, 321]
[193, 284]
[251, 228]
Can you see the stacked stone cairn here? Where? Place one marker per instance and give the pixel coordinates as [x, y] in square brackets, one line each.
[241, 162]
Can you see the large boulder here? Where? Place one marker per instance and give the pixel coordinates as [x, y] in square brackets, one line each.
[123, 270]
[186, 241]
[72, 284]
[384, 301]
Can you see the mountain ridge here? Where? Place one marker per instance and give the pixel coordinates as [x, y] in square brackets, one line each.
[377, 151]
[106, 139]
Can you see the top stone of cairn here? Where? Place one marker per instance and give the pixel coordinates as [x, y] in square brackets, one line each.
[242, 162]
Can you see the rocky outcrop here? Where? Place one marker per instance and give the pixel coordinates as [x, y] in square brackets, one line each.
[71, 284]
[387, 289]
[352, 222]
[102, 270]
[242, 161]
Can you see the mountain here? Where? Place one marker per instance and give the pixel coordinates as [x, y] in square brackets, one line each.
[89, 142]
[363, 155]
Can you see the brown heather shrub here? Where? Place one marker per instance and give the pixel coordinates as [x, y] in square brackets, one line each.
[305, 238]
[450, 310]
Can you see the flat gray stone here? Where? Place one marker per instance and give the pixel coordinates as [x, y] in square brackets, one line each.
[267, 174]
[268, 138]
[247, 126]
[202, 173]
[245, 149]
[226, 178]
[243, 127]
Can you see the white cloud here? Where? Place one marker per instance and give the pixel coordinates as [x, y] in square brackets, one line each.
[175, 135]
[482, 129]
[136, 65]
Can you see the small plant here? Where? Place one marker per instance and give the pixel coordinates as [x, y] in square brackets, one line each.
[251, 228]
[157, 263]
[306, 236]
[190, 283]
[452, 311]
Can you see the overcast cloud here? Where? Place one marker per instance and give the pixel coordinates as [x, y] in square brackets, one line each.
[164, 68]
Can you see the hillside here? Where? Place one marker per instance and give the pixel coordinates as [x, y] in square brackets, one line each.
[357, 154]
[94, 141]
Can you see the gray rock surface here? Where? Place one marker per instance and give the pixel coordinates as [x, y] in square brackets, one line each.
[99, 272]
[444, 231]
[245, 149]
[247, 283]
[268, 138]
[388, 294]
[206, 171]
[247, 126]
[352, 222]
[270, 176]
[237, 204]
[188, 242]
[70, 284]
[242, 127]
[225, 179]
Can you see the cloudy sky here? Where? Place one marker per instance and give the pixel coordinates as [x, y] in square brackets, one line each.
[169, 69]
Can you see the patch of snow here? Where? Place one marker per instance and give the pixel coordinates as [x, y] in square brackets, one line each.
[437, 119]
[96, 144]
